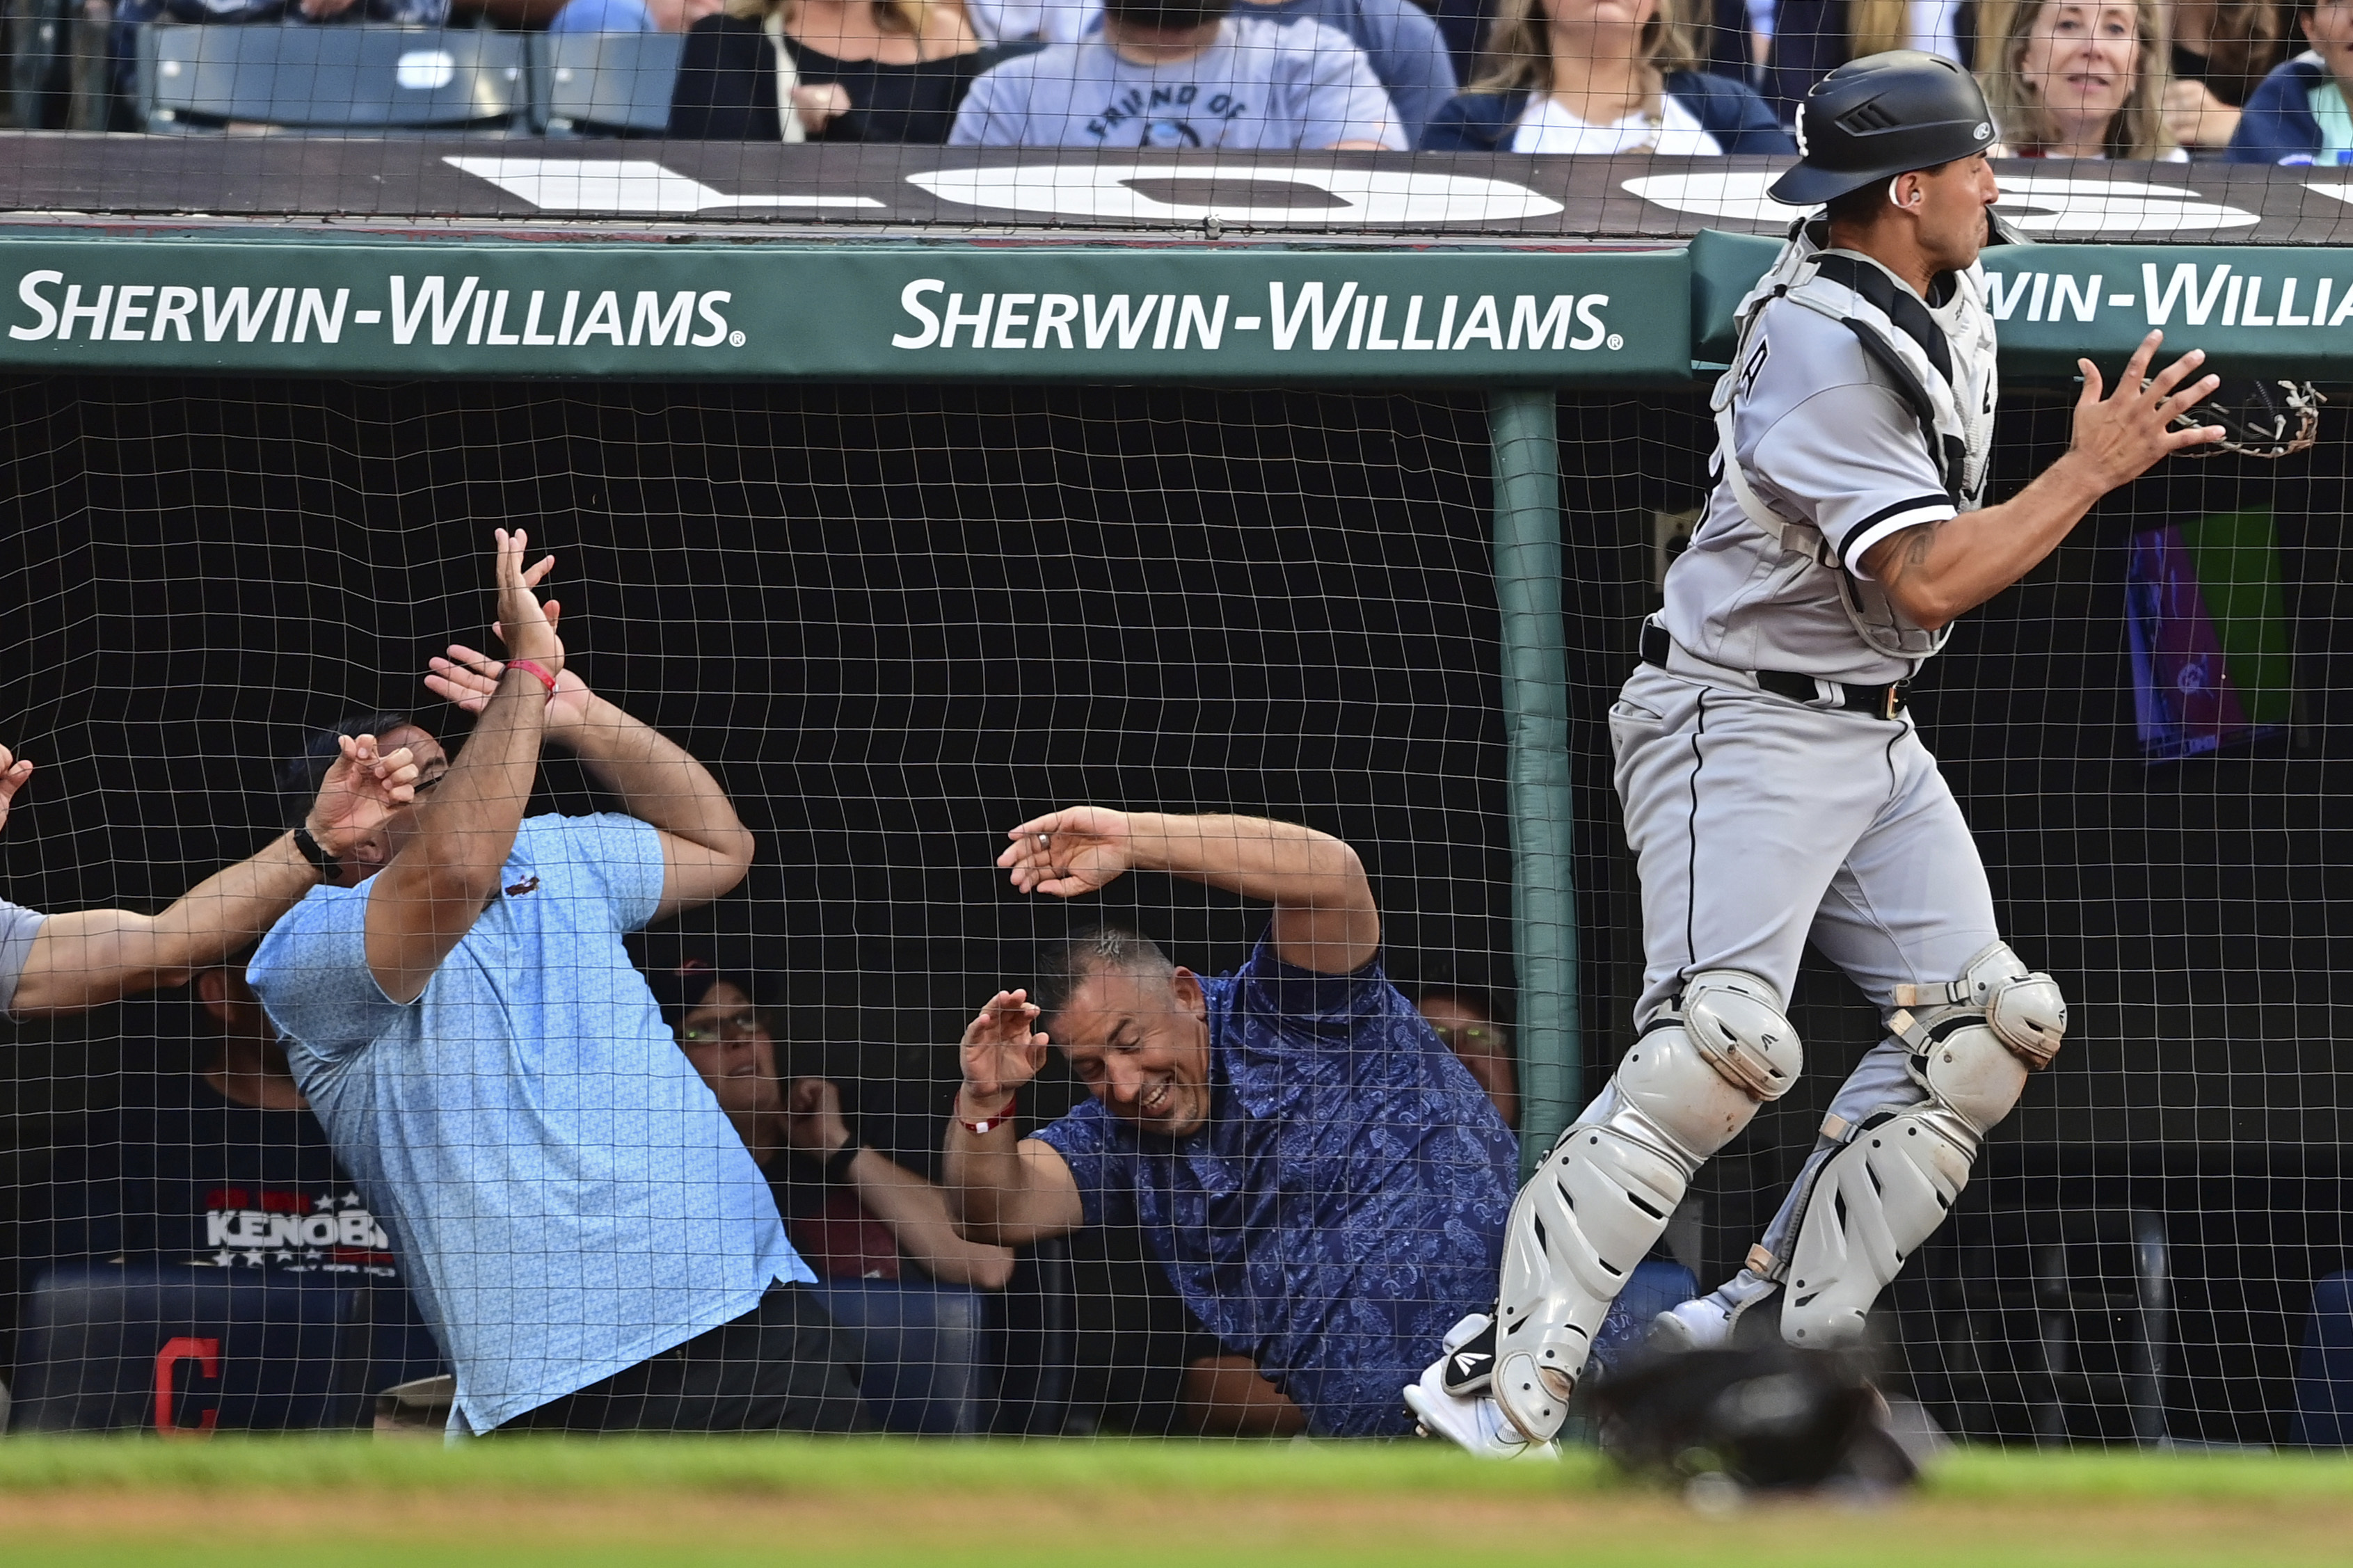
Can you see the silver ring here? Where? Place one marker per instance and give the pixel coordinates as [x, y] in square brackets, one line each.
[1041, 841]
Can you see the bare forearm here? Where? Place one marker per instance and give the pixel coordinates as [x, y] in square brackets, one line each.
[428, 899]
[656, 779]
[91, 957]
[998, 1194]
[1939, 572]
[917, 1214]
[1324, 917]
[468, 828]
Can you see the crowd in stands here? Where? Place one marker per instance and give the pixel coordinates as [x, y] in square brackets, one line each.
[2242, 80]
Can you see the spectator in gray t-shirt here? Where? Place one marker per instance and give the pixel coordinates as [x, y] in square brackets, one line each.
[1180, 73]
[1405, 49]
[69, 963]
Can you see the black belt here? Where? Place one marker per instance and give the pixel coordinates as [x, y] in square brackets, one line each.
[1879, 701]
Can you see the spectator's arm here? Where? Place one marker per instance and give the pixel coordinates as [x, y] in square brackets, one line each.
[980, 122]
[91, 957]
[1349, 111]
[1324, 917]
[706, 849]
[915, 1212]
[1416, 68]
[999, 1189]
[429, 896]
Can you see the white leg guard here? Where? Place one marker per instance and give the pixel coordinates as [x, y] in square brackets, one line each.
[1601, 1198]
[1879, 1197]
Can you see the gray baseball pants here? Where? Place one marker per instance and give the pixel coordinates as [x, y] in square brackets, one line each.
[1758, 824]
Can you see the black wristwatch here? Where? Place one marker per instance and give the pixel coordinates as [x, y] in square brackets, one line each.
[838, 1163]
[316, 853]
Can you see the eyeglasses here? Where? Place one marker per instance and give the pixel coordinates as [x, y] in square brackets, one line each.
[1457, 1036]
[745, 1022]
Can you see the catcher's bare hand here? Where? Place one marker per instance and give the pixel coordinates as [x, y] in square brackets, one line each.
[2119, 438]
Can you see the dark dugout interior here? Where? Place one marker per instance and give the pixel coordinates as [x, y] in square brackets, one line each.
[900, 620]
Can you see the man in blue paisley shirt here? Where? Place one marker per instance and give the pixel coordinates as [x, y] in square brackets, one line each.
[1322, 1180]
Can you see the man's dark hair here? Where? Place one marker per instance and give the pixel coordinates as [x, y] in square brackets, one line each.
[1860, 206]
[301, 775]
[686, 985]
[1166, 16]
[1066, 965]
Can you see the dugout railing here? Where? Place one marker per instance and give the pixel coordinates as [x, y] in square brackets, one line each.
[1525, 346]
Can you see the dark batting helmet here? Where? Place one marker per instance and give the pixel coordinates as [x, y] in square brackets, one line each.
[1881, 116]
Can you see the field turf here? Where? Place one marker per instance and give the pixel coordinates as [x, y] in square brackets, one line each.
[258, 1503]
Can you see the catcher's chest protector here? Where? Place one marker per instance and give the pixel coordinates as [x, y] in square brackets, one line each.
[1940, 358]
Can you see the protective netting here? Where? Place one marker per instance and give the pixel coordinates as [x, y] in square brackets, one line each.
[896, 623]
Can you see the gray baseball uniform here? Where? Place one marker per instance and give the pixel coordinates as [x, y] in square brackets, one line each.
[1760, 822]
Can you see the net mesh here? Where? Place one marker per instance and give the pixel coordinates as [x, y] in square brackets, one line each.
[898, 622]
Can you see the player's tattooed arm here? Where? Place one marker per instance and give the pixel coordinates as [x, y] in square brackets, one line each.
[1937, 572]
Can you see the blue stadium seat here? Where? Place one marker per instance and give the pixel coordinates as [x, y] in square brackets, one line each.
[603, 84]
[922, 1350]
[2324, 1374]
[352, 80]
[115, 1347]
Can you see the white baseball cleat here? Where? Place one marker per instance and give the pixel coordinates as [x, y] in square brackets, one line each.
[1476, 1424]
[1700, 1325]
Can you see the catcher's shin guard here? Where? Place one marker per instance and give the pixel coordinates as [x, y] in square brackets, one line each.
[1887, 1189]
[1597, 1206]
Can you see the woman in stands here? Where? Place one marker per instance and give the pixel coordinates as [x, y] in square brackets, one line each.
[2081, 79]
[851, 1211]
[1600, 76]
[2222, 51]
[825, 70]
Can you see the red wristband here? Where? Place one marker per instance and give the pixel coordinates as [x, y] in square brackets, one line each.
[539, 671]
[983, 1128]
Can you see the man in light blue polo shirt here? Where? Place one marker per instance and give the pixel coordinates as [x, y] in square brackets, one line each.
[587, 1234]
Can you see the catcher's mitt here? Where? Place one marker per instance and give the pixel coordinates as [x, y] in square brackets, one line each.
[2259, 418]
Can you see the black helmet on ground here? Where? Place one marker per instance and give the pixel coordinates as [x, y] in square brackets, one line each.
[1881, 116]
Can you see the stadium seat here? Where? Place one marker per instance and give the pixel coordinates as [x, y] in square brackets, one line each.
[603, 84]
[176, 1348]
[2324, 1373]
[354, 80]
[2065, 1327]
[919, 1347]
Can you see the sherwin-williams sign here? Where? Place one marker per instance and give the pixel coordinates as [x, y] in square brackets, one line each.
[752, 311]
[757, 312]
[2285, 310]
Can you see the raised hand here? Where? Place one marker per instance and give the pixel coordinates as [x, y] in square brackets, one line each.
[1001, 1049]
[527, 627]
[1070, 852]
[813, 1121]
[2123, 436]
[363, 787]
[14, 772]
[467, 676]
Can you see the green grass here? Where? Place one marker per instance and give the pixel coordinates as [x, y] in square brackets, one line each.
[805, 1467]
[251, 1503]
